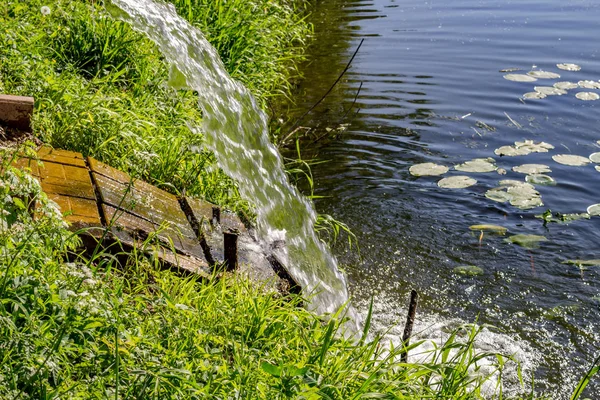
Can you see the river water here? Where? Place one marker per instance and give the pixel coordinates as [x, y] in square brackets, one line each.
[432, 91]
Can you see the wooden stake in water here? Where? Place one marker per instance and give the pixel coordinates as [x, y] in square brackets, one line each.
[410, 320]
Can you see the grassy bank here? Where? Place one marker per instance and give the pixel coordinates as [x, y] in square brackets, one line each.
[76, 326]
[100, 87]
[89, 328]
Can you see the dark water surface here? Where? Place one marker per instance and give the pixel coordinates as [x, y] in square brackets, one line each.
[432, 92]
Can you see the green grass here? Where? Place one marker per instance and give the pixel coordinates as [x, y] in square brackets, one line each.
[100, 87]
[75, 326]
[86, 327]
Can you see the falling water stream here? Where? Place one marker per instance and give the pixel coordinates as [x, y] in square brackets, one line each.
[236, 131]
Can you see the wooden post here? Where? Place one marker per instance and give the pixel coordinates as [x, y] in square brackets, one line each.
[410, 320]
[230, 239]
[16, 111]
[216, 211]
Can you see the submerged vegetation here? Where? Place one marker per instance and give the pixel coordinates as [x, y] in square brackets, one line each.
[76, 325]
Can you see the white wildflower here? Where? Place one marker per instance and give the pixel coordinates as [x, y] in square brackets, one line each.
[45, 10]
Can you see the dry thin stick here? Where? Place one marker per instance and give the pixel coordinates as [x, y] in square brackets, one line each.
[515, 123]
[330, 89]
[410, 320]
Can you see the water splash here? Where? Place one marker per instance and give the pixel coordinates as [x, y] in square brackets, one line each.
[236, 131]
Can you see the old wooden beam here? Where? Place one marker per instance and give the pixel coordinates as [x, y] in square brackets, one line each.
[16, 111]
[230, 244]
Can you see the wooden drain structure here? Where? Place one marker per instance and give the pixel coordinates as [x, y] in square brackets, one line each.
[189, 235]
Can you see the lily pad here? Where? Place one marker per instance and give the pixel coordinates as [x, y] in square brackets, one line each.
[595, 158]
[520, 78]
[570, 159]
[548, 216]
[543, 74]
[489, 228]
[534, 95]
[540, 179]
[510, 69]
[569, 67]
[594, 209]
[597, 168]
[565, 85]
[589, 84]
[549, 90]
[478, 165]
[520, 194]
[428, 169]
[527, 241]
[583, 263]
[456, 182]
[523, 148]
[468, 270]
[532, 169]
[587, 96]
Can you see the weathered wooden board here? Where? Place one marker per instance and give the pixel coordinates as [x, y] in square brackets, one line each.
[187, 234]
[16, 111]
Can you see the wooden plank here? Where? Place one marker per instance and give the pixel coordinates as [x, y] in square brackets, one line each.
[16, 111]
[145, 201]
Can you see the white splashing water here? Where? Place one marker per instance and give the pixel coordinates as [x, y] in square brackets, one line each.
[236, 131]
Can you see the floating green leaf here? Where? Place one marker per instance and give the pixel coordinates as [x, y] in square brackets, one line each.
[569, 67]
[594, 209]
[570, 159]
[549, 90]
[527, 241]
[520, 194]
[428, 169]
[524, 148]
[595, 158]
[540, 179]
[589, 84]
[597, 168]
[543, 74]
[468, 270]
[532, 169]
[587, 96]
[478, 165]
[534, 95]
[457, 182]
[548, 216]
[489, 228]
[583, 263]
[520, 78]
[565, 85]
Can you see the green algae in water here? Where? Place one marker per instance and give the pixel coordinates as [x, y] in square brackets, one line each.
[457, 182]
[559, 218]
[468, 270]
[428, 169]
[527, 241]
